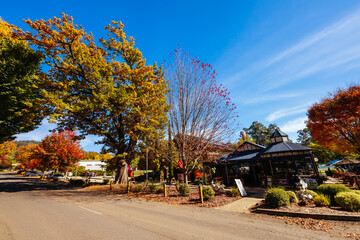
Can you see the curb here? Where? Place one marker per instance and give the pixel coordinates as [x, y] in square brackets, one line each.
[307, 215]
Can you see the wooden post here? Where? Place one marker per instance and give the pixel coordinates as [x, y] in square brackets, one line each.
[201, 194]
[111, 184]
[204, 175]
[128, 187]
[227, 175]
[165, 190]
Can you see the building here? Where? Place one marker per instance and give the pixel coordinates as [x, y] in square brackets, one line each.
[278, 164]
[92, 165]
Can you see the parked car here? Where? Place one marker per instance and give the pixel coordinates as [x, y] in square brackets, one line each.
[21, 171]
[57, 176]
[33, 174]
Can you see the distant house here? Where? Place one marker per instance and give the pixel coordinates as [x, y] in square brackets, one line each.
[92, 165]
[277, 164]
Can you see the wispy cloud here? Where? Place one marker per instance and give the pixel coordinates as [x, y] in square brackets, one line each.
[294, 125]
[271, 97]
[328, 51]
[285, 112]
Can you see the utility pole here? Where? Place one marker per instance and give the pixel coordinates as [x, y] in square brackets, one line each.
[147, 161]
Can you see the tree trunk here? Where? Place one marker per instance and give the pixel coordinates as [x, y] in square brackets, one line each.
[122, 172]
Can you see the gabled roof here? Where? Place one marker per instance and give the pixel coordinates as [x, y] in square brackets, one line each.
[240, 156]
[249, 146]
[284, 147]
[278, 133]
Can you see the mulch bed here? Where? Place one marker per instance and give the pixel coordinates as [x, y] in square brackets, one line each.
[311, 208]
[173, 197]
[337, 228]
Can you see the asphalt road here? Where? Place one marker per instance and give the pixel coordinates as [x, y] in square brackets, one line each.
[33, 209]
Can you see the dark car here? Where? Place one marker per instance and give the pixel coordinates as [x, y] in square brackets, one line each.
[57, 176]
[33, 174]
[21, 171]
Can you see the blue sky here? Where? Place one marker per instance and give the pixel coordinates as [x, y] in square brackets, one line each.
[277, 58]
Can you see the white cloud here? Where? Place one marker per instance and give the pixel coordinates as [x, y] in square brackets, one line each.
[294, 125]
[287, 112]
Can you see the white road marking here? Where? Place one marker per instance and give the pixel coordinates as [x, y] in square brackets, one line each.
[90, 210]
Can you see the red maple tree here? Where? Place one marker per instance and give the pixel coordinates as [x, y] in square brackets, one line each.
[60, 150]
[335, 121]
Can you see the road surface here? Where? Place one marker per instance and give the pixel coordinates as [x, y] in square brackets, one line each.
[33, 209]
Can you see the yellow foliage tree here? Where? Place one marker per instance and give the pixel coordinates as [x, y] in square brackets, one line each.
[105, 90]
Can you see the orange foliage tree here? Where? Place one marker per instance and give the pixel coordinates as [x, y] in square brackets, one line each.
[58, 151]
[6, 148]
[335, 121]
[105, 89]
[25, 156]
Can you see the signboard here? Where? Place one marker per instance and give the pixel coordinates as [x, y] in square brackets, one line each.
[181, 177]
[240, 187]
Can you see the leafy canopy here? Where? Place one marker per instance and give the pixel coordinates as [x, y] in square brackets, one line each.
[19, 65]
[57, 151]
[335, 121]
[260, 133]
[105, 90]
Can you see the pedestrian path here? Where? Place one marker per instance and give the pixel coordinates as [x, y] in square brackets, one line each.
[333, 180]
[255, 195]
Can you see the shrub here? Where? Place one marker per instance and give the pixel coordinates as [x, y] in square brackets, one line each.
[311, 193]
[234, 192]
[348, 200]
[159, 189]
[137, 188]
[322, 200]
[208, 192]
[151, 187]
[331, 190]
[197, 181]
[292, 197]
[77, 181]
[277, 197]
[184, 190]
[356, 191]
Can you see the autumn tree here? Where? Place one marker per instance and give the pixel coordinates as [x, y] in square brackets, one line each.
[260, 133]
[335, 121]
[60, 150]
[104, 89]
[25, 156]
[6, 149]
[201, 113]
[19, 65]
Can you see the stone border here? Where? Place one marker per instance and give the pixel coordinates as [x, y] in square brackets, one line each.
[307, 215]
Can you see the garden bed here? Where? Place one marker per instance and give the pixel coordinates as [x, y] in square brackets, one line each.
[173, 196]
[310, 208]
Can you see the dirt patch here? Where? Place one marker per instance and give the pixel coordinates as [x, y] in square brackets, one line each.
[173, 197]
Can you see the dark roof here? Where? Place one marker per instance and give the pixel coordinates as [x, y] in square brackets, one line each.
[284, 147]
[257, 145]
[241, 156]
[278, 133]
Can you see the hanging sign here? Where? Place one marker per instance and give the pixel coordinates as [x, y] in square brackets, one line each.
[180, 164]
[240, 187]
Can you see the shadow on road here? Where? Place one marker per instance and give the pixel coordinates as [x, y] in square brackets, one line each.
[10, 182]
